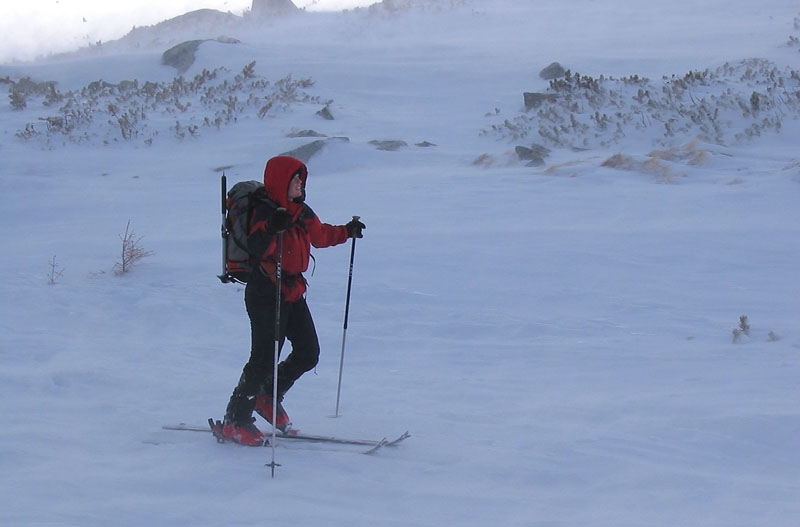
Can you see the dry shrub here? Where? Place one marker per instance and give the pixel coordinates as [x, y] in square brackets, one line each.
[620, 161]
[490, 160]
[484, 160]
[555, 169]
[131, 253]
[690, 154]
[654, 166]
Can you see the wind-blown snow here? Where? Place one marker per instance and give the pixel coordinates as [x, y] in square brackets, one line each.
[557, 339]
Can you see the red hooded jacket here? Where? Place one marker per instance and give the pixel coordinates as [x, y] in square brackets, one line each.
[305, 230]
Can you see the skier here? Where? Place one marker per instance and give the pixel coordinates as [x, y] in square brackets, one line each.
[284, 184]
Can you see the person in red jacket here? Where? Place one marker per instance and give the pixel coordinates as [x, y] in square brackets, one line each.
[282, 210]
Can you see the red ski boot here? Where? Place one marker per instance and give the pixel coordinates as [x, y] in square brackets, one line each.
[243, 433]
[264, 409]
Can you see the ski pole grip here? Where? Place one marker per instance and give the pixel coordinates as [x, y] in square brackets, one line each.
[355, 219]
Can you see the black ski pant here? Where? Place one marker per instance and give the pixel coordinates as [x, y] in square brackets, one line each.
[296, 325]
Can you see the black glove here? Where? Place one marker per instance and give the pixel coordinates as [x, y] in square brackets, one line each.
[354, 228]
[279, 221]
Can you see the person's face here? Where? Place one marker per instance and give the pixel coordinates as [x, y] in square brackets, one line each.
[295, 188]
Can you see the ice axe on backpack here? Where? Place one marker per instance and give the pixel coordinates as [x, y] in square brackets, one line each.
[224, 278]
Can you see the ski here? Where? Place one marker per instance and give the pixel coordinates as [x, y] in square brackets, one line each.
[295, 434]
[375, 448]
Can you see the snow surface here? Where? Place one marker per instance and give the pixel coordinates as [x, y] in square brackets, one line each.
[557, 339]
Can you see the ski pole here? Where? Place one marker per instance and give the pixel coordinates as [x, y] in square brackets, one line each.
[346, 315]
[277, 348]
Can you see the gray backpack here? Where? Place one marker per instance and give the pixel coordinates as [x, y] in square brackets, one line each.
[237, 210]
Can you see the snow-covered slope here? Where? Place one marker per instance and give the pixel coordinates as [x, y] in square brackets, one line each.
[559, 339]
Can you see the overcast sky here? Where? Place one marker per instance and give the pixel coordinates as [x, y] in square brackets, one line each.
[30, 28]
